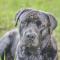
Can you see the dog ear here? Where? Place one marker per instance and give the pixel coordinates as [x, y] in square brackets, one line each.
[53, 22]
[19, 13]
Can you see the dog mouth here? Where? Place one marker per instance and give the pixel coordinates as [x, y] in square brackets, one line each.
[30, 50]
[31, 42]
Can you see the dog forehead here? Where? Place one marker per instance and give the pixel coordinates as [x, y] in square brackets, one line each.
[34, 15]
[29, 15]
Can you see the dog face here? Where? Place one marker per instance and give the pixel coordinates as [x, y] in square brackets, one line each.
[35, 26]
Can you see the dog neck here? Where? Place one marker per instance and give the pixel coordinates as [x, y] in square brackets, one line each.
[31, 54]
[32, 51]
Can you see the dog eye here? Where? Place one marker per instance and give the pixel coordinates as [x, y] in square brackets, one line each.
[24, 23]
[43, 26]
[38, 23]
[28, 21]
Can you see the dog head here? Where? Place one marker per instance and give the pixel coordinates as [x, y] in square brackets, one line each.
[34, 26]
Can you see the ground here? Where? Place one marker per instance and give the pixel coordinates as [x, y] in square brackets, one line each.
[9, 8]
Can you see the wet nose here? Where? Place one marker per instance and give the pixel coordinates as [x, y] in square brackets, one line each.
[30, 35]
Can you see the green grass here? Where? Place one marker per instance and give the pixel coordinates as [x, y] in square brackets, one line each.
[8, 9]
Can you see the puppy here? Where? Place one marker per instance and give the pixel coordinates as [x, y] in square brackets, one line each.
[32, 40]
[36, 41]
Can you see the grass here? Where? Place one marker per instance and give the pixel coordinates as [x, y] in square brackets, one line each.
[8, 9]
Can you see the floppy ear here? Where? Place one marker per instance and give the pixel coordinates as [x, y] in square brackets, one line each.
[19, 13]
[53, 22]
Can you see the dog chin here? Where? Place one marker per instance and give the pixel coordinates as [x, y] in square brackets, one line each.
[31, 48]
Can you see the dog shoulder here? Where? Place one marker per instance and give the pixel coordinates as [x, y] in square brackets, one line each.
[53, 42]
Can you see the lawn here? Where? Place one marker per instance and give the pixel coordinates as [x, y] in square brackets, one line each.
[9, 8]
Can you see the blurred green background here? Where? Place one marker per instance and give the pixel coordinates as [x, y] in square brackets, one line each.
[9, 8]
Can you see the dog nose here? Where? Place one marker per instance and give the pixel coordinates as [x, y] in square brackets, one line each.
[30, 36]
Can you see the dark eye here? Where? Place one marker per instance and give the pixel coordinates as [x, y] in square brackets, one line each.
[38, 23]
[23, 22]
[28, 21]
